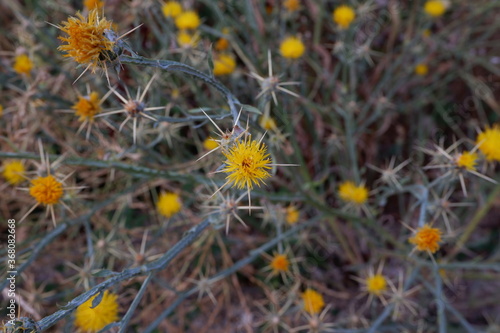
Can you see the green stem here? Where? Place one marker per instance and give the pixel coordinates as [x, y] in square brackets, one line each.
[174, 66]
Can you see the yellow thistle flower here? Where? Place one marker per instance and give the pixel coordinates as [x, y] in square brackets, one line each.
[292, 48]
[291, 5]
[435, 8]
[267, 123]
[1, 110]
[186, 40]
[421, 69]
[351, 193]
[224, 64]
[343, 16]
[489, 142]
[376, 284]
[169, 204]
[93, 320]
[92, 4]
[426, 238]
[210, 144]
[467, 160]
[13, 172]
[22, 65]
[171, 9]
[279, 263]
[86, 41]
[46, 190]
[187, 20]
[246, 164]
[87, 107]
[313, 301]
[292, 215]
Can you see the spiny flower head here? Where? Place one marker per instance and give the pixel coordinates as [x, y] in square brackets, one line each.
[46, 190]
[292, 48]
[292, 215]
[1, 110]
[210, 144]
[489, 142]
[92, 319]
[467, 160]
[171, 9]
[313, 301]
[246, 164]
[279, 263]
[187, 20]
[343, 16]
[352, 193]
[291, 5]
[435, 8]
[13, 172]
[87, 107]
[22, 65]
[91, 4]
[376, 284]
[426, 238]
[421, 69]
[224, 64]
[169, 204]
[87, 43]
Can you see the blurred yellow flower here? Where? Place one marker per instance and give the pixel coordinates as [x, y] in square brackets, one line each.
[171, 9]
[467, 160]
[187, 20]
[87, 107]
[343, 16]
[267, 123]
[376, 284]
[185, 39]
[91, 4]
[421, 69]
[13, 172]
[351, 193]
[291, 5]
[224, 64]
[210, 144]
[91, 319]
[292, 215]
[279, 263]
[426, 238]
[489, 142]
[221, 44]
[169, 204]
[292, 48]
[22, 65]
[435, 8]
[313, 301]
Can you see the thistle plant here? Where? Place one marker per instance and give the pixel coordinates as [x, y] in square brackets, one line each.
[249, 166]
